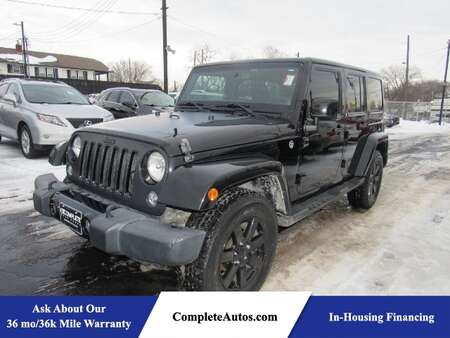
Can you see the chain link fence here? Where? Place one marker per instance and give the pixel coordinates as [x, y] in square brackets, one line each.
[418, 111]
[414, 111]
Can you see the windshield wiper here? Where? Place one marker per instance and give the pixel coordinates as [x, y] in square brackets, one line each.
[192, 104]
[238, 106]
[70, 102]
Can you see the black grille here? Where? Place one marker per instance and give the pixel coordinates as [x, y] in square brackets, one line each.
[108, 167]
[77, 123]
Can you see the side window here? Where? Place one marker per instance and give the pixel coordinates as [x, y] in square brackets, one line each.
[14, 91]
[324, 93]
[355, 93]
[374, 94]
[126, 97]
[113, 96]
[3, 88]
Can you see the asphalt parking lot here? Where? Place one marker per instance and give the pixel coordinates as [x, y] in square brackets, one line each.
[401, 246]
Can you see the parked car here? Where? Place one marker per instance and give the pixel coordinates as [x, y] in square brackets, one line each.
[41, 114]
[128, 102]
[391, 120]
[435, 113]
[251, 146]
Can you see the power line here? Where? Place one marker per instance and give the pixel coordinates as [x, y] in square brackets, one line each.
[83, 25]
[74, 22]
[101, 36]
[32, 3]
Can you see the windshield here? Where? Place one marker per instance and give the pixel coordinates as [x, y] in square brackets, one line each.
[251, 84]
[159, 99]
[52, 94]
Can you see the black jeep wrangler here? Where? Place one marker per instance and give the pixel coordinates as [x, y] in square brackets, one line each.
[252, 146]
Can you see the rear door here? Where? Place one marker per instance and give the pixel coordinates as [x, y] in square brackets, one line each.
[323, 146]
[125, 99]
[355, 107]
[111, 103]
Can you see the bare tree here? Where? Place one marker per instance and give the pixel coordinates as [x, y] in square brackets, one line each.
[272, 52]
[395, 81]
[132, 71]
[203, 54]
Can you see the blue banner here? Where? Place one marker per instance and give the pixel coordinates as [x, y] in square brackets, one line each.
[265, 314]
[53, 316]
[374, 316]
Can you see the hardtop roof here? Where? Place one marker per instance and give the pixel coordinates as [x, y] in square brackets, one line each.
[294, 60]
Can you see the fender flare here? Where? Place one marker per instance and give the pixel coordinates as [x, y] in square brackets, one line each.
[187, 187]
[364, 152]
[58, 154]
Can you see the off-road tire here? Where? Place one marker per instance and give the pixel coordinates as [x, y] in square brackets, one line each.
[32, 151]
[366, 195]
[232, 208]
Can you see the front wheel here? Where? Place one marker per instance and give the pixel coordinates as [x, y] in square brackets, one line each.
[366, 195]
[239, 246]
[26, 143]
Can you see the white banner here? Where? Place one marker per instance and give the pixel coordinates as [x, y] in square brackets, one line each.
[224, 314]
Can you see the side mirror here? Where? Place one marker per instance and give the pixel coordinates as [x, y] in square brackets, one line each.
[11, 99]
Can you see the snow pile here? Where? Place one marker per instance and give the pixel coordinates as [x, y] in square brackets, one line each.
[411, 128]
[33, 60]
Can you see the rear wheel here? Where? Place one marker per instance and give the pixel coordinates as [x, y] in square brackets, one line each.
[239, 246]
[26, 143]
[366, 195]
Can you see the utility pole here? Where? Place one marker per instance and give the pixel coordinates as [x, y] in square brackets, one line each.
[444, 87]
[24, 49]
[164, 31]
[407, 69]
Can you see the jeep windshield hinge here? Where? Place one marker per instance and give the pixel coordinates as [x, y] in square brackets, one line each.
[186, 149]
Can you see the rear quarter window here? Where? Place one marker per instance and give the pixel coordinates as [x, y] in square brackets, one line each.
[374, 94]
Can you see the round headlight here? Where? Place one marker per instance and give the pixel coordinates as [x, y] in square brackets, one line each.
[76, 146]
[156, 166]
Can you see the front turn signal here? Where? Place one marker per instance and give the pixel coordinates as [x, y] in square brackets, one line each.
[213, 194]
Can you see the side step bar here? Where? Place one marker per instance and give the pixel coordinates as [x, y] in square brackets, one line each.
[308, 207]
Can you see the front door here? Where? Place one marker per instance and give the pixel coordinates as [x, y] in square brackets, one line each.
[11, 112]
[323, 145]
[3, 89]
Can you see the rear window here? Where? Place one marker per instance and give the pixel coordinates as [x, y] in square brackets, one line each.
[157, 98]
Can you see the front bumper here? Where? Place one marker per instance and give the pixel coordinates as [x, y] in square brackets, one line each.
[48, 134]
[121, 231]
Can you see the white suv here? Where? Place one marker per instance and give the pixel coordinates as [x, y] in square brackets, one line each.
[40, 114]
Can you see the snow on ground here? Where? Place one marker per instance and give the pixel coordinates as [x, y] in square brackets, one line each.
[17, 175]
[417, 128]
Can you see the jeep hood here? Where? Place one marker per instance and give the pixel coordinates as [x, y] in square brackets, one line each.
[204, 130]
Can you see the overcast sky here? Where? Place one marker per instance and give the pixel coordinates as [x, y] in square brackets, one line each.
[370, 34]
